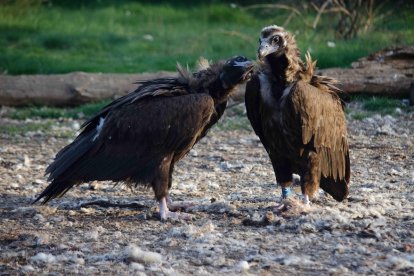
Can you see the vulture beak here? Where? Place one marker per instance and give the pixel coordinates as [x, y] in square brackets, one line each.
[249, 68]
[266, 49]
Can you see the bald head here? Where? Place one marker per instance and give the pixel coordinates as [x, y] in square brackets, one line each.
[272, 41]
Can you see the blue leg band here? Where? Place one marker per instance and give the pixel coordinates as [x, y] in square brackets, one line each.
[286, 192]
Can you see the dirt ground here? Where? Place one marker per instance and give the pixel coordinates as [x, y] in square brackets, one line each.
[235, 231]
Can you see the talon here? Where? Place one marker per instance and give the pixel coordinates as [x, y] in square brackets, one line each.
[166, 214]
[306, 200]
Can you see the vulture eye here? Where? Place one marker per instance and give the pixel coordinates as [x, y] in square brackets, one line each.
[240, 59]
[276, 38]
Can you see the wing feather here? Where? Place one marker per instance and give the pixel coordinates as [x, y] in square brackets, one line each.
[253, 102]
[323, 127]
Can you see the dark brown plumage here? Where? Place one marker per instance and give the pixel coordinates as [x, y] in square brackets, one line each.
[139, 137]
[298, 117]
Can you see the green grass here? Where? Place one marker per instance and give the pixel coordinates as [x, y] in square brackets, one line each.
[115, 36]
[371, 105]
[234, 119]
[44, 127]
[44, 112]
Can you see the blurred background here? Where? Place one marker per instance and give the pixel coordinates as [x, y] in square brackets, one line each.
[60, 36]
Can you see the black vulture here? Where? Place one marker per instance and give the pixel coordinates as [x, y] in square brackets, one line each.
[138, 138]
[298, 117]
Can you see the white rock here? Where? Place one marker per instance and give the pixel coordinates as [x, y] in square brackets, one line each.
[242, 266]
[87, 211]
[134, 253]
[148, 37]
[43, 258]
[27, 162]
[92, 235]
[399, 263]
[296, 260]
[75, 125]
[330, 44]
[14, 185]
[213, 185]
[136, 266]
[27, 268]
[39, 217]
[39, 181]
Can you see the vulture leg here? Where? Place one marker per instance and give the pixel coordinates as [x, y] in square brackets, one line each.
[176, 206]
[310, 177]
[165, 212]
[283, 171]
[161, 185]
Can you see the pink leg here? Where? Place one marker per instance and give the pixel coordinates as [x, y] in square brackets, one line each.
[165, 213]
[176, 206]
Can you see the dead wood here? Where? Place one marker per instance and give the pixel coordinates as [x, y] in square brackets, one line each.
[388, 72]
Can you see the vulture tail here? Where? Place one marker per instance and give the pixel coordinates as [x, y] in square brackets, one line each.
[339, 188]
[61, 170]
[55, 189]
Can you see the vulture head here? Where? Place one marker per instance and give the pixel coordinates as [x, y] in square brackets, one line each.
[272, 40]
[218, 79]
[235, 70]
[279, 53]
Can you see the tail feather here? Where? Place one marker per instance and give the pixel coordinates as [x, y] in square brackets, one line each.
[70, 154]
[339, 188]
[61, 169]
[55, 189]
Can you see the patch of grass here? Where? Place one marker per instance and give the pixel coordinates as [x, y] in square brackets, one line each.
[365, 106]
[382, 105]
[234, 123]
[19, 129]
[129, 36]
[360, 115]
[44, 112]
[235, 118]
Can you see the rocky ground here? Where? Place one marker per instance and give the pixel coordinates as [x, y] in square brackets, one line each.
[235, 231]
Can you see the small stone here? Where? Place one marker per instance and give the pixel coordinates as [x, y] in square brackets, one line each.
[27, 268]
[136, 254]
[39, 218]
[75, 125]
[243, 266]
[27, 162]
[39, 181]
[136, 266]
[330, 44]
[148, 37]
[43, 258]
[14, 185]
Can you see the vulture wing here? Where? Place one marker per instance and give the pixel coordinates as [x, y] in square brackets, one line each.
[321, 125]
[129, 138]
[253, 100]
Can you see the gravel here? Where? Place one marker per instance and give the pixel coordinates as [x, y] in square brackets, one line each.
[229, 177]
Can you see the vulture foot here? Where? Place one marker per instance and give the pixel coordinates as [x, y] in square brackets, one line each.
[176, 216]
[166, 214]
[306, 200]
[179, 205]
[292, 208]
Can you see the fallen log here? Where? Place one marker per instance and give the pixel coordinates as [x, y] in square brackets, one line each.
[68, 89]
[388, 72]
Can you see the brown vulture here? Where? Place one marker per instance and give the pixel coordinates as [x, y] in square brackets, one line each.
[139, 137]
[298, 117]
